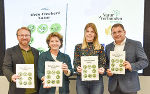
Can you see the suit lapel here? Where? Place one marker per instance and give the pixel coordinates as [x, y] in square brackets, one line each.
[126, 45]
[35, 56]
[19, 54]
[112, 47]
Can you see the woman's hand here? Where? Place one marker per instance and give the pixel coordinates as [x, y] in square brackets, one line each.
[43, 82]
[109, 73]
[101, 70]
[79, 69]
[65, 68]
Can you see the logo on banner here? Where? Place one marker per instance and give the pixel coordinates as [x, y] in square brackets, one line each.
[110, 17]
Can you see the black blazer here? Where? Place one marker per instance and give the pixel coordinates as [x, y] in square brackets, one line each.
[12, 57]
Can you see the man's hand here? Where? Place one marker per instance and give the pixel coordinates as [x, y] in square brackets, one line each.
[14, 77]
[127, 65]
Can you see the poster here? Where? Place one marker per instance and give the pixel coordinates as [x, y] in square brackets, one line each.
[89, 65]
[116, 62]
[53, 74]
[26, 73]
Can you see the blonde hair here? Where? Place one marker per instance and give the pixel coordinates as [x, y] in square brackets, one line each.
[96, 43]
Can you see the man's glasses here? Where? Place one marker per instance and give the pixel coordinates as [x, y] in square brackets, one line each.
[24, 36]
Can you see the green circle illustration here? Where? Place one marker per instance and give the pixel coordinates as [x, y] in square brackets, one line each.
[25, 83]
[94, 70]
[85, 75]
[30, 78]
[117, 60]
[84, 66]
[112, 60]
[31, 40]
[121, 69]
[89, 66]
[20, 82]
[48, 72]
[53, 81]
[112, 69]
[116, 69]
[90, 75]
[48, 81]
[48, 76]
[113, 65]
[58, 72]
[43, 28]
[55, 27]
[57, 81]
[30, 74]
[25, 74]
[29, 83]
[121, 61]
[32, 28]
[93, 66]
[94, 75]
[120, 65]
[57, 77]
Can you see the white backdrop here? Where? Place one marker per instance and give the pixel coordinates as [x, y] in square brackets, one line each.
[75, 14]
[43, 17]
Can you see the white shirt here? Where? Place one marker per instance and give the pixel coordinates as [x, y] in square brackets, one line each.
[57, 88]
[120, 47]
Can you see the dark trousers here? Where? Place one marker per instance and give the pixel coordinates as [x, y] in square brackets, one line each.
[118, 91]
[34, 93]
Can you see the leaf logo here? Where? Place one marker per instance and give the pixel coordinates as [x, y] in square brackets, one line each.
[108, 30]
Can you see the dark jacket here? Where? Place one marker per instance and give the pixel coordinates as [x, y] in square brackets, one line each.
[136, 56]
[46, 56]
[12, 57]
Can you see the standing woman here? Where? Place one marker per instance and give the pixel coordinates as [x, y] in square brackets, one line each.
[89, 47]
[55, 41]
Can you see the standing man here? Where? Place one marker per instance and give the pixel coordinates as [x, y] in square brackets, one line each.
[135, 60]
[20, 54]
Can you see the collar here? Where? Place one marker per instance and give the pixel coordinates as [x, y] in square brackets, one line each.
[122, 43]
[25, 50]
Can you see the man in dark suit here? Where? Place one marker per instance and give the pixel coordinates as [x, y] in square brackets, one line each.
[135, 60]
[20, 54]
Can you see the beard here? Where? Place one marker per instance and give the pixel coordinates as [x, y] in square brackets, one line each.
[24, 42]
